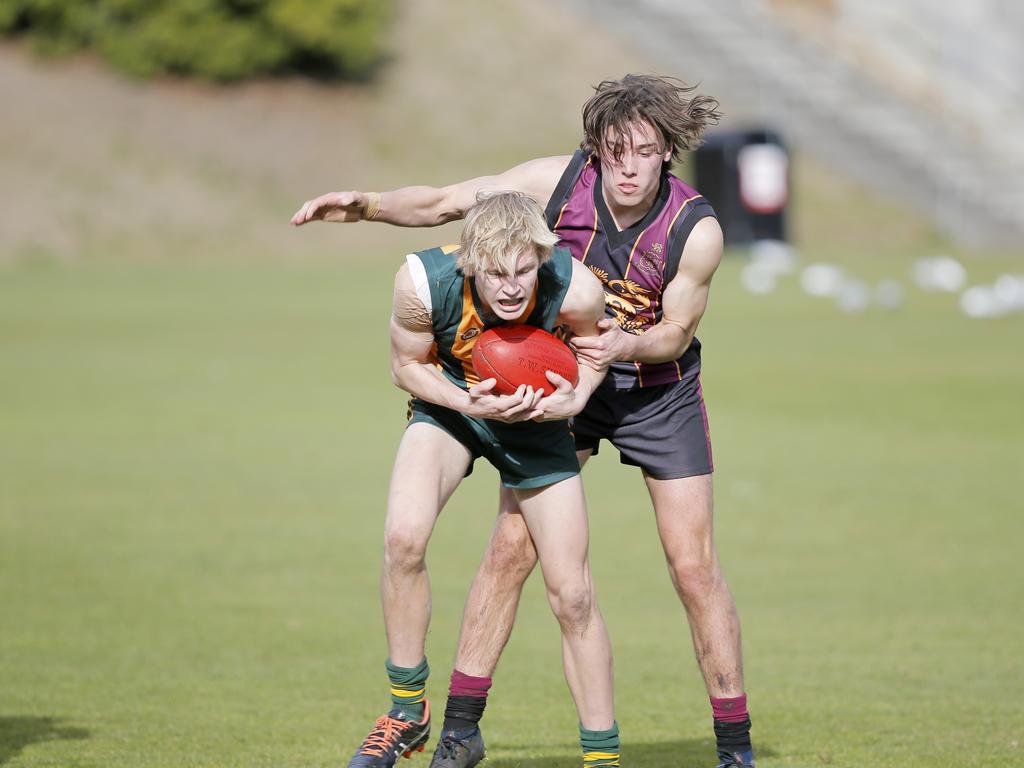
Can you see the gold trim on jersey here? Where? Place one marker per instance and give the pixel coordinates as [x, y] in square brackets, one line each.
[462, 349]
[593, 234]
[561, 212]
[686, 202]
[632, 251]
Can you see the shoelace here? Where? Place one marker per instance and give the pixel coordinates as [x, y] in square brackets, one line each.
[384, 732]
[448, 746]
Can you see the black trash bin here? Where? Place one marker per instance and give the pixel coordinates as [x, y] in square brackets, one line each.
[744, 174]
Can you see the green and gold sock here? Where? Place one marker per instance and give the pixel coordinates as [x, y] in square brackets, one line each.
[408, 687]
[600, 748]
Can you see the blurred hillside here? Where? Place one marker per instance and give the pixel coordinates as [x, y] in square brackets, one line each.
[216, 40]
[97, 165]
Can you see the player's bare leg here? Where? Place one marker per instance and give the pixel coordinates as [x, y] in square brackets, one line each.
[429, 465]
[683, 509]
[486, 625]
[557, 518]
[494, 596]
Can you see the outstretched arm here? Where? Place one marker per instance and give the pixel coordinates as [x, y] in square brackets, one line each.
[682, 304]
[420, 206]
[413, 365]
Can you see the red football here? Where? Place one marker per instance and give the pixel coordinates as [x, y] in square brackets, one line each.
[520, 354]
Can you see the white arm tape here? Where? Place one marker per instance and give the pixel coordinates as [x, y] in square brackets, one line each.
[418, 273]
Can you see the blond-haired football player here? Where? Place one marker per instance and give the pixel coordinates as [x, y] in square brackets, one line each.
[505, 270]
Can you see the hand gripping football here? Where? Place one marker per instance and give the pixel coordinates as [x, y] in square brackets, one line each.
[520, 354]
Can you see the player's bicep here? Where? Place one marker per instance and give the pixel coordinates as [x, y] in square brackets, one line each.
[685, 298]
[584, 302]
[412, 332]
[409, 347]
[536, 178]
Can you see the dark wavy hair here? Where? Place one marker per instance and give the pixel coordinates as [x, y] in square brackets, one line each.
[668, 104]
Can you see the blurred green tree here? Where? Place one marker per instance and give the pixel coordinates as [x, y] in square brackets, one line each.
[215, 39]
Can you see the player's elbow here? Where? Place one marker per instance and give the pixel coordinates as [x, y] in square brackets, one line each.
[447, 215]
[445, 208]
[398, 375]
[400, 379]
[433, 215]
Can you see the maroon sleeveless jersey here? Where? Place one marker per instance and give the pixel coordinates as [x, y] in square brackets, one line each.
[635, 264]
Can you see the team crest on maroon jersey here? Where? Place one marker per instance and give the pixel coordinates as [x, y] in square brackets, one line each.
[652, 261]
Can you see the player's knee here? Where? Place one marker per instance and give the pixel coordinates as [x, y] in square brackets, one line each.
[572, 603]
[404, 551]
[510, 554]
[695, 574]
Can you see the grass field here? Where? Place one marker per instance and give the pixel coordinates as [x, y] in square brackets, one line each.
[196, 435]
[193, 464]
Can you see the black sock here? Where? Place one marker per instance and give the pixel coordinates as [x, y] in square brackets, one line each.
[463, 712]
[733, 737]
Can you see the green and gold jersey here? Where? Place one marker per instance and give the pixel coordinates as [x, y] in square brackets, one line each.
[456, 311]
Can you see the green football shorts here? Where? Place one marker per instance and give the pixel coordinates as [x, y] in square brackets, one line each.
[527, 454]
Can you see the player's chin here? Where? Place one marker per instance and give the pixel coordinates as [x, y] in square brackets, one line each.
[625, 199]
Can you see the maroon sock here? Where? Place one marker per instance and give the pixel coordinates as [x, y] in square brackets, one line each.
[730, 710]
[467, 685]
[467, 697]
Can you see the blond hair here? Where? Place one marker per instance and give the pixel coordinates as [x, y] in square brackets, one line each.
[500, 227]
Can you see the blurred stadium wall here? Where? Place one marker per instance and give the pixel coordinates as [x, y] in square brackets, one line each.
[921, 100]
